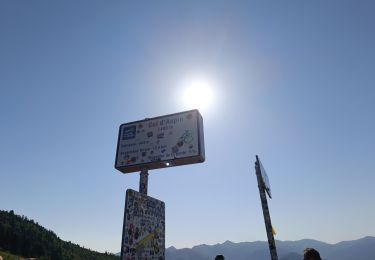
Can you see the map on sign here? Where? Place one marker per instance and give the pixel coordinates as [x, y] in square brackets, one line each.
[159, 142]
[143, 235]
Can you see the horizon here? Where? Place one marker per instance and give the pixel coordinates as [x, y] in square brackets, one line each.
[292, 82]
[264, 241]
[219, 243]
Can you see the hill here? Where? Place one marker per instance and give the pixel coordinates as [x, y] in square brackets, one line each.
[287, 250]
[23, 237]
[8, 256]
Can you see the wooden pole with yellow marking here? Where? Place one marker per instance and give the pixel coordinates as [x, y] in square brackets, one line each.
[263, 185]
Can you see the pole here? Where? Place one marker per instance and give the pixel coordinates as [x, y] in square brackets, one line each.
[143, 181]
[266, 212]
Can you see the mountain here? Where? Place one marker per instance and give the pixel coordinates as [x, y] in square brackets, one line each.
[361, 249]
[20, 236]
[23, 237]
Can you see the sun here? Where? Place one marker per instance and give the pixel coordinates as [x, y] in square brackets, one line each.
[198, 94]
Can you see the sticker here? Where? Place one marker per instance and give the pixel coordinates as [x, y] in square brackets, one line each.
[129, 132]
[144, 228]
[187, 137]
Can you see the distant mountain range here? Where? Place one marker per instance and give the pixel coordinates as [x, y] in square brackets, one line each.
[23, 237]
[361, 249]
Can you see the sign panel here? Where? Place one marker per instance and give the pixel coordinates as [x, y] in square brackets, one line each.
[159, 142]
[143, 234]
[265, 178]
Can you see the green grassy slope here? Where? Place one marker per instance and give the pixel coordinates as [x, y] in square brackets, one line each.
[8, 256]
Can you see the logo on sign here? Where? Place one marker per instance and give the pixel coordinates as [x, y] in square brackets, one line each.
[129, 132]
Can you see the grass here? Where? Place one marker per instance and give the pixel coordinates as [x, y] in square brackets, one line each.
[8, 256]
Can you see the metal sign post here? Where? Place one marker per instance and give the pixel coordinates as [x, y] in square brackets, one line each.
[153, 143]
[143, 181]
[263, 186]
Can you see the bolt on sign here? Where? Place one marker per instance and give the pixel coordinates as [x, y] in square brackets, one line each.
[159, 142]
[143, 235]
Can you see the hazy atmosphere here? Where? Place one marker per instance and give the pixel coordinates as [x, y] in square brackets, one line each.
[290, 81]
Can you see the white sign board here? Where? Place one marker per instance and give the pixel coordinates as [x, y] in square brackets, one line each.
[159, 142]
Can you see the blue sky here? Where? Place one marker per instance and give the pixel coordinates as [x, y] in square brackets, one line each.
[293, 83]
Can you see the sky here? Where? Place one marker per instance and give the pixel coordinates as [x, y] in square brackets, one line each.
[292, 82]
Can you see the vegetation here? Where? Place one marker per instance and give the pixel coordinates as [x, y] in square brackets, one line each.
[23, 237]
[8, 256]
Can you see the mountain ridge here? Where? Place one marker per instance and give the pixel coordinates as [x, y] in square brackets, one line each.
[287, 250]
[25, 237]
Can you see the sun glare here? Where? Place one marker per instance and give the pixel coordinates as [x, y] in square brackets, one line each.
[198, 94]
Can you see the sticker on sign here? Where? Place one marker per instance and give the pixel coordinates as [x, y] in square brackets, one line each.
[159, 142]
[143, 235]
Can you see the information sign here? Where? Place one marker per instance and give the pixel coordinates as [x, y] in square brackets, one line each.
[159, 142]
